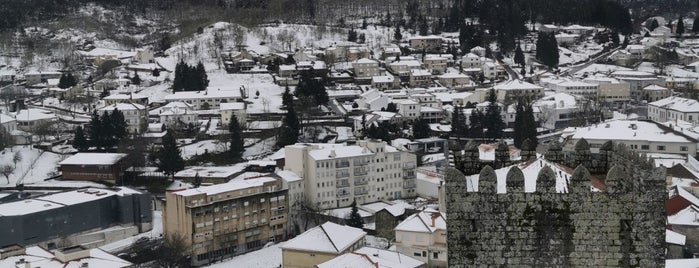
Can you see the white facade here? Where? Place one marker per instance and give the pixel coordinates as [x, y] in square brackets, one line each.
[365, 68]
[423, 236]
[435, 63]
[177, 113]
[674, 108]
[637, 81]
[227, 111]
[409, 109]
[207, 99]
[336, 174]
[135, 115]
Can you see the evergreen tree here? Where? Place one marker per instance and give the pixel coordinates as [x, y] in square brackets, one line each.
[287, 98]
[424, 28]
[237, 147]
[95, 130]
[136, 80]
[392, 107]
[201, 77]
[695, 25]
[653, 25]
[169, 158]
[289, 131]
[354, 219]
[118, 125]
[493, 121]
[352, 35]
[421, 129]
[519, 55]
[519, 125]
[364, 24]
[397, 35]
[180, 72]
[155, 72]
[107, 140]
[476, 125]
[80, 141]
[457, 122]
[525, 124]
[680, 27]
[66, 80]
[530, 131]
[547, 49]
[311, 86]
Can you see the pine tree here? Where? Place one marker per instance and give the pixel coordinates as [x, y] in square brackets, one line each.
[493, 121]
[80, 141]
[289, 131]
[354, 219]
[201, 77]
[237, 147]
[180, 73]
[397, 35]
[136, 80]
[653, 24]
[530, 130]
[107, 141]
[680, 27]
[155, 72]
[352, 35]
[66, 80]
[457, 122]
[476, 124]
[519, 55]
[519, 124]
[118, 125]
[95, 131]
[421, 129]
[287, 98]
[364, 24]
[424, 28]
[169, 158]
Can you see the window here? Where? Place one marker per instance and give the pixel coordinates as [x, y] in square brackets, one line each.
[435, 255]
[684, 148]
[417, 254]
[661, 147]
[645, 147]
[424, 253]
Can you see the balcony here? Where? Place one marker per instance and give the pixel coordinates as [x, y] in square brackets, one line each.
[360, 191]
[361, 172]
[343, 193]
[361, 163]
[342, 164]
[342, 174]
[409, 165]
[409, 174]
[361, 181]
[408, 185]
[342, 183]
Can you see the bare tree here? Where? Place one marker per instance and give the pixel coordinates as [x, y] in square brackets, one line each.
[174, 251]
[17, 158]
[6, 170]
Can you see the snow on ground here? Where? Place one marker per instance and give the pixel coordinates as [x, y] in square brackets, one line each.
[156, 93]
[44, 165]
[260, 149]
[376, 242]
[156, 232]
[269, 257]
[201, 147]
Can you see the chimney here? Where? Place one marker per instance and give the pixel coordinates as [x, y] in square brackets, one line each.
[435, 215]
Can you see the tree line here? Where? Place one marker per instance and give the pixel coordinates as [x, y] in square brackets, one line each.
[190, 78]
[103, 132]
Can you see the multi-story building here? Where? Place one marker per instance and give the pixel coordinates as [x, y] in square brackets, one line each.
[654, 93]
[107, 167]
[206, 99]
[126, 98]
[430, 43]
[75, 217]
[365, 68]
[611, 91]
[420, 78]
[229, 109]
[471, 60]
[642, 136]
[435, 63]
[409, 109]
[512, 90]
[637, 81]
[674, 108]
[492, 70]
[135, 115]
[337, 174]
[454, 80]
[227, 219]
[29, 119]
[176, 114]
[579, 88]
[423, 236]
[385, 82]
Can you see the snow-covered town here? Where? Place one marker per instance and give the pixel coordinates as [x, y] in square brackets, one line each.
[424, 135]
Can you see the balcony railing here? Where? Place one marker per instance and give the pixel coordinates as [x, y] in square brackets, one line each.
[343, 164]
[342, 184]
[361, 163]
[409, 175]
[342, 194]
[361, 172]
[360, 191]
[362, 181]
[409, 165]
[408, 185]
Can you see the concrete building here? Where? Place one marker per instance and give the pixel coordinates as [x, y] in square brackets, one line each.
[320, 244]
[136, 115]
[37, 77]
[126, 98]
[207, 99]
[366, 68]
[428, 44]
[227, 219]
[557, 110]
[176, 114]
[385, 82]
[436, 64]
[337, 174]
[643, 136]
[229, 109]
[492, 70]
[107, 167]
[408, 108]
[471, 60]
[674, 108]
[515, 89]
[8, 123]
[423, 236]
[654, 93]
[637, 81]
[420, 78]
[455, 80]
[29, 119]
[75, 217]
[373, 100]
[611, 91]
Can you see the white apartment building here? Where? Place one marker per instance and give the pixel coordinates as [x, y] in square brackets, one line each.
[514, 89]
[136, 115]
[643, 136]
[423, 236]
[611, 91]
[435, 63]
[404, 65]
[229, 109]
[674, 108]
[337, 174]
[207, 99]
[385, 82]
[492, 70]
[176, 113]
[579, 88]
[471, 60]
[366, 68]
[408, 108]
[637, 81]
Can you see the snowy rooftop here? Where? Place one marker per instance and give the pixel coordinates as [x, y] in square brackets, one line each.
[230, 186]
[517, 85]
[93, 159]
[60, 199]
[453, 76]
[558, 100]
[383, 79]
[232, 106]
[38, 257]
[422, 72]
[123, 107]
[97, 52]
[672, 237]
[601, 68]
[331, 151]
[209, 93]
[210, 172]
[121, 96]
[365, 60]
[32, 114]
[677, 104]
[629, 130]
[327, 237]
[654, 87]
[367, 257]
[288, 175]
[422, 222]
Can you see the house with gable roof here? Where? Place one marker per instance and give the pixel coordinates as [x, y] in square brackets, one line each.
[320, 244]
[424, 236]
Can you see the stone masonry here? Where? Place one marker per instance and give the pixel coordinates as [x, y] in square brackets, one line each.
[620, 226]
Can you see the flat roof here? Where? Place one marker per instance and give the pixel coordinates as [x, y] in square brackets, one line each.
[93, 159]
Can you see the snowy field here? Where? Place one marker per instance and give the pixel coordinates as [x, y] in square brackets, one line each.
[35, 165]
